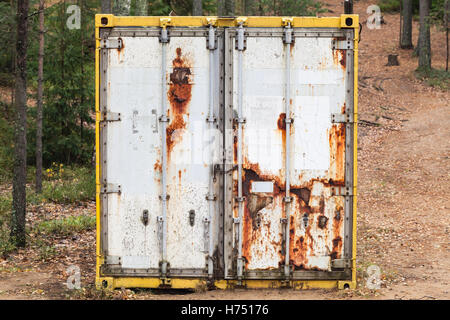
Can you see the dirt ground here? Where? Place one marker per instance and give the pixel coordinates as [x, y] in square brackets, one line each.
[403, 204]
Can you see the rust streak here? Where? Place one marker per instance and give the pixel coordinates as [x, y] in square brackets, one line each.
[179, 95]
[339, 56]
[337, 240]
[337, 153]
[120, 50]
[281, 122]
[157, 166]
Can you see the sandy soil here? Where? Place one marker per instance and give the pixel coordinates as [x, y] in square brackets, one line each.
[403, 204]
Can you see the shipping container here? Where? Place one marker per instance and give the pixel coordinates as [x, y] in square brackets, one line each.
[226, 151]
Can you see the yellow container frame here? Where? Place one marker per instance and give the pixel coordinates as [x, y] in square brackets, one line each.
[109, 21]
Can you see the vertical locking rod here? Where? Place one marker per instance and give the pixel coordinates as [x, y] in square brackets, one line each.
[211, 120]
[240, 48]
[164, 120]
[287, 200]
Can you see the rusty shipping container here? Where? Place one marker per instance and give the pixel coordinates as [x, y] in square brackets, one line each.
[226, 151]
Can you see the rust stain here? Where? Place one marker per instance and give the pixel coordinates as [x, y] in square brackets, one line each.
[303, 243]
[336, 233]
[120, 50]
[281, 122]
[179, 95]
[298, 246]
[322, 221]
[254, 203]
[235, 149]
[157, 166]
[337, 153]
[339, 56]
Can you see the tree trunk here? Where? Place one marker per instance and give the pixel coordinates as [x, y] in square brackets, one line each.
[406, 35]
[197, 9]
[13, 55]
[122, 7]
[106, 6]
[141, 8]
[39, 99]
[20, 144]
[226, 8]
[446, 16]
[424, 35]
[248, 7]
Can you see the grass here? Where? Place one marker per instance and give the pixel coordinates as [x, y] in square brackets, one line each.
[438, 78]
[389, 5]
[66, 226]
[68, 185]
[61, 185]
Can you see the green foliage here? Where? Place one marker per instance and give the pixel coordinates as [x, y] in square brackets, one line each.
[260, 8]
[179, 7]
[7, 37]
[46, 250]
[77, 185]
[389, 5]
[6, 246]
[437, 11]
[69, 86]
[6, 147]
[434, 77]
[282, 8]
[66, 226]
[60, 185]
[436, 8]
[68, 185]
[395, 5]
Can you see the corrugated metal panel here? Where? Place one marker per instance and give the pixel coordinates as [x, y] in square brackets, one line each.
[317, 154]
[134, 152]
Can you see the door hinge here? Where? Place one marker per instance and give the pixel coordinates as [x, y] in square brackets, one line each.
[111, 116]
[111, 44]
[164, 36]
[342, 45]
[341, 263]
[211, 39]
[342, 118]
[288, 34]
[111, 188]
[241, 41]
[341, 191]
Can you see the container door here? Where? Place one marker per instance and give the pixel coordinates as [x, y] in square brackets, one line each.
[287, 113]
[160, 213]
